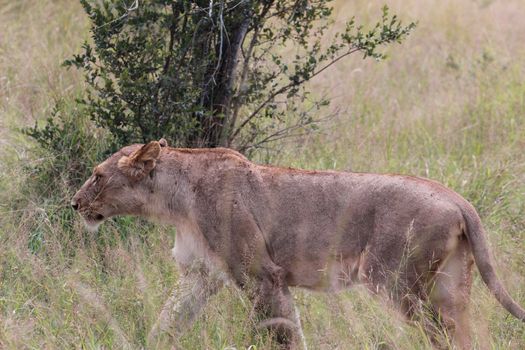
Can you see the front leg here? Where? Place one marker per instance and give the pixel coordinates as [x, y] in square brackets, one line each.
[184, 305]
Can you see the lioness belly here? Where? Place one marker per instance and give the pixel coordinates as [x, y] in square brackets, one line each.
[334, 275]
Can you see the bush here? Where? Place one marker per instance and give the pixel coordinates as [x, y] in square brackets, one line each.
[214, 73]
[69, 147]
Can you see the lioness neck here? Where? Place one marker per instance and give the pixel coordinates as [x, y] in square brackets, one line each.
[172, 196]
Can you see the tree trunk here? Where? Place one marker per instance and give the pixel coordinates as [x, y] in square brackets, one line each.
[218, 95]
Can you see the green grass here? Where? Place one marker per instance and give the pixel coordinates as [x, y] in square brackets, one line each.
[448, 104]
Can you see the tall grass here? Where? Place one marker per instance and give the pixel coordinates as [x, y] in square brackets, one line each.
[448, 104]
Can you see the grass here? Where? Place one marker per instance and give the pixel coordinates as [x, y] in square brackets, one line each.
[448, 104]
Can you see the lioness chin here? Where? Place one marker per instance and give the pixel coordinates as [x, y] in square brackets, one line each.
[268, 229]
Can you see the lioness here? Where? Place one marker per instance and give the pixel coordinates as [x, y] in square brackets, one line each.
[267, 229]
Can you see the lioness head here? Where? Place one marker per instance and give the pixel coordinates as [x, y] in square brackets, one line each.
[118, 186]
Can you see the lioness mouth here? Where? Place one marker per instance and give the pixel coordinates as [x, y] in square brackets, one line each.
[92, 223]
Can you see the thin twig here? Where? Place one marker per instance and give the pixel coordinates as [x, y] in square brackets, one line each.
[133, 7]
[287, 87]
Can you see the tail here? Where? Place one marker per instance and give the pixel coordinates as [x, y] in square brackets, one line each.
[477, 239]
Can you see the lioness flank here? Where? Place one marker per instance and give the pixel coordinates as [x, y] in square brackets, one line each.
[267, 229]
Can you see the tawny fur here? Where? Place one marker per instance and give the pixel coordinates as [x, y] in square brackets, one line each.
[268, 228]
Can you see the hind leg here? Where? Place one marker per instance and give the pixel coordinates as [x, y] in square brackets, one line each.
[276, 311]
[451, 292]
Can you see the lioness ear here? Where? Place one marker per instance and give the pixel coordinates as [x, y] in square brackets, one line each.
[163, 142]
[141, 162]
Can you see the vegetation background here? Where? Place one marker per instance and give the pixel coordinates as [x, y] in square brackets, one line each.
[448, 104]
